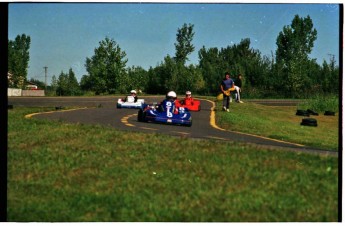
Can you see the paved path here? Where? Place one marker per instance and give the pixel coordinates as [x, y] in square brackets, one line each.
[102, 110]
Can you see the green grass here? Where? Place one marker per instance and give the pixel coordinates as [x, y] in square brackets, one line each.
[280, 123]
[59, 172]
[321, 103]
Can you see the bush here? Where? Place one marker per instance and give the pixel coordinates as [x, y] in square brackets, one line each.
[321, 103]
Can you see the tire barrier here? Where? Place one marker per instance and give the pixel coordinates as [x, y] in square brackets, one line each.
[329, 113]
[312, 112]
[302, 113]
[309, 122]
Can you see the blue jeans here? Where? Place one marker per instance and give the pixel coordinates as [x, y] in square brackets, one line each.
[226, 101]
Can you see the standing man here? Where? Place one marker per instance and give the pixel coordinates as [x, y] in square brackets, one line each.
[226, 86]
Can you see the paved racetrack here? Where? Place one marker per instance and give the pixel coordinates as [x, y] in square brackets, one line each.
[102, 110]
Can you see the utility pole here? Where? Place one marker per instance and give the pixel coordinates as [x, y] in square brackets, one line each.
[45, 76]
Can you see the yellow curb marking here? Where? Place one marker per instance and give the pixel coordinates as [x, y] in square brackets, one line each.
[49, 112]
[124, 120]
[213, 124]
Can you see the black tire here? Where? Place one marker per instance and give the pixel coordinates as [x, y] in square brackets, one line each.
[309, 122]
[189, 125]
[329, 113]
[141, 116]
[312, 112]
[302, 113]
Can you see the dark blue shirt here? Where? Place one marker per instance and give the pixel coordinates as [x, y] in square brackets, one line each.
[227, 83]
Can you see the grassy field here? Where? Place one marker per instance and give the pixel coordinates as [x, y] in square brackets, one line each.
[280, 123]
[59, 172]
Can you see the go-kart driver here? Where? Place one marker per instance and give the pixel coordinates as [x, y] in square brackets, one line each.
[132, 97]
[188, 100]
[170, 105]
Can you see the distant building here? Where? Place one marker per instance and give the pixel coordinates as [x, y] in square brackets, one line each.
[31, 86]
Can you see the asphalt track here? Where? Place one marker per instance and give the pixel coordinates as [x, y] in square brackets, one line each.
[102, 110]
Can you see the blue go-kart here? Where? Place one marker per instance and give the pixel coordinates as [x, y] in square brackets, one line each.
[165, 113]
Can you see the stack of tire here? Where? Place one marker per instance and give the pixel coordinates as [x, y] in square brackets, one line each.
[311, 121]
[307, 121]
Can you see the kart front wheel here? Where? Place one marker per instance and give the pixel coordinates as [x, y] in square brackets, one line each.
[141, 116]
[189, 125]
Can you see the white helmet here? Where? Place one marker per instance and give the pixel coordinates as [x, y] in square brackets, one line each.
[133, 91]
[171, 94]
[188, 93]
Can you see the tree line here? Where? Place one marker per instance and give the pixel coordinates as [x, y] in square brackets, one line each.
[287, 73]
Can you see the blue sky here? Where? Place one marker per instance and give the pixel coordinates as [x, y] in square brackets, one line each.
[63, 35]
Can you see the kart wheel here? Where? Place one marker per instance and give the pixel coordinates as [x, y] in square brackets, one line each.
[189, 125]
[141, 116]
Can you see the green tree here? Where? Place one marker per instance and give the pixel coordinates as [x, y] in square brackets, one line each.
[334, 77]
[294, 44]
[107, 68]
[18, 59]
[86, 83]
[138, 78]
[62, 84]
[210, 64]
[193, 81]
[184, 46]
[54, 84]
[67, 84]
[155, 82]
[328, 79]
[235, 59]
[73, 87]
